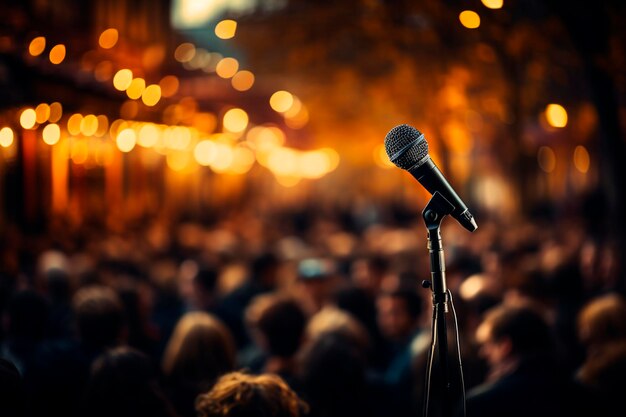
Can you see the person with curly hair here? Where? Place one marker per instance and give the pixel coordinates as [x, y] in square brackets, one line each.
[238, 394]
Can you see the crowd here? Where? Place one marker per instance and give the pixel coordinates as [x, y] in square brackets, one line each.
[308, 312]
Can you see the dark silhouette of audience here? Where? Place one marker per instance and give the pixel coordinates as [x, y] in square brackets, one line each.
[200, 350]
[525, 377]
[59, 374]
[25, 322]
[602, 330]
[124, 383]
[404, 344]
[144, 321]
[333, 377]
[231, 308]
[13, 403]
[276, 323]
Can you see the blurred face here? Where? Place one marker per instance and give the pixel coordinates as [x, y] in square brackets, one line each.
[493, 351]
[360, 274]
[315, 293]
[394, 319]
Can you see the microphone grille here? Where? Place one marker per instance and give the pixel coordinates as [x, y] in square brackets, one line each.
[406, 146]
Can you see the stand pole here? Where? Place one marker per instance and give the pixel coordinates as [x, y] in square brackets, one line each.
[434, 212]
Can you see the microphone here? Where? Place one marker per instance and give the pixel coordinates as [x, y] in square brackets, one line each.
[407, 149]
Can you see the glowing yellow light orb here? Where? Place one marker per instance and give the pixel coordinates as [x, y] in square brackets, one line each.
[89, 125]
[226, 29]
[103, 126]
[28, 118]
[243, 159]
[6, 137]
[235, 120]
[43, 113]
[243, 80]
[556, 115]
[493, 4]
[223, 158]
[136, 88]
[126, 140]
[151, 95]
[227, 67]
[51, 134]
[37, 46]
[204, 153]
[73, 123]
[57, 54]
[108, 38]
[281, 101]
[122, 79]
[469, 19]
[56, 112]
[148, 135]
[313, 164]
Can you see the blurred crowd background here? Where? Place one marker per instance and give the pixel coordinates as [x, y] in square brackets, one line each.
[190, 188]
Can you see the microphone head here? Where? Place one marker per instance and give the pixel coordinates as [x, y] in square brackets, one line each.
[406, 147]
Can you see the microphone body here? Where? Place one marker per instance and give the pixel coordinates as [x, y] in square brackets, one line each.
[407, 149]
[429, 175]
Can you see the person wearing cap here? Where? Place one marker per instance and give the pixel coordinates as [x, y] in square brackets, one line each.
[316, 281]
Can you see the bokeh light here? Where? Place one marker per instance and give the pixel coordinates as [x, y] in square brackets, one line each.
[235, 120]
[151, 95]
[281, 101]
[556, 115]
[148, 135]
[28, 118]
[223, 158]
[136, 88]
[89, 125]
[469, 19]
[122, 79]
[108, 38]
[226, 29]
[57, 54]
[56, 112]
[243, 159]
[493, 4]
[204, 152]
[582, 160]
[6, 137]
[103, 126]
[314, 164]
[37, 46]
[185, 52]
[546, 159]
[227, 67]
[243, 80]
[126, 140]
[169, 85]
[51, 134]
[74, 123]
[42, 113]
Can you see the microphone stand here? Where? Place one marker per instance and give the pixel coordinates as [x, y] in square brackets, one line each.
[434, 212]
